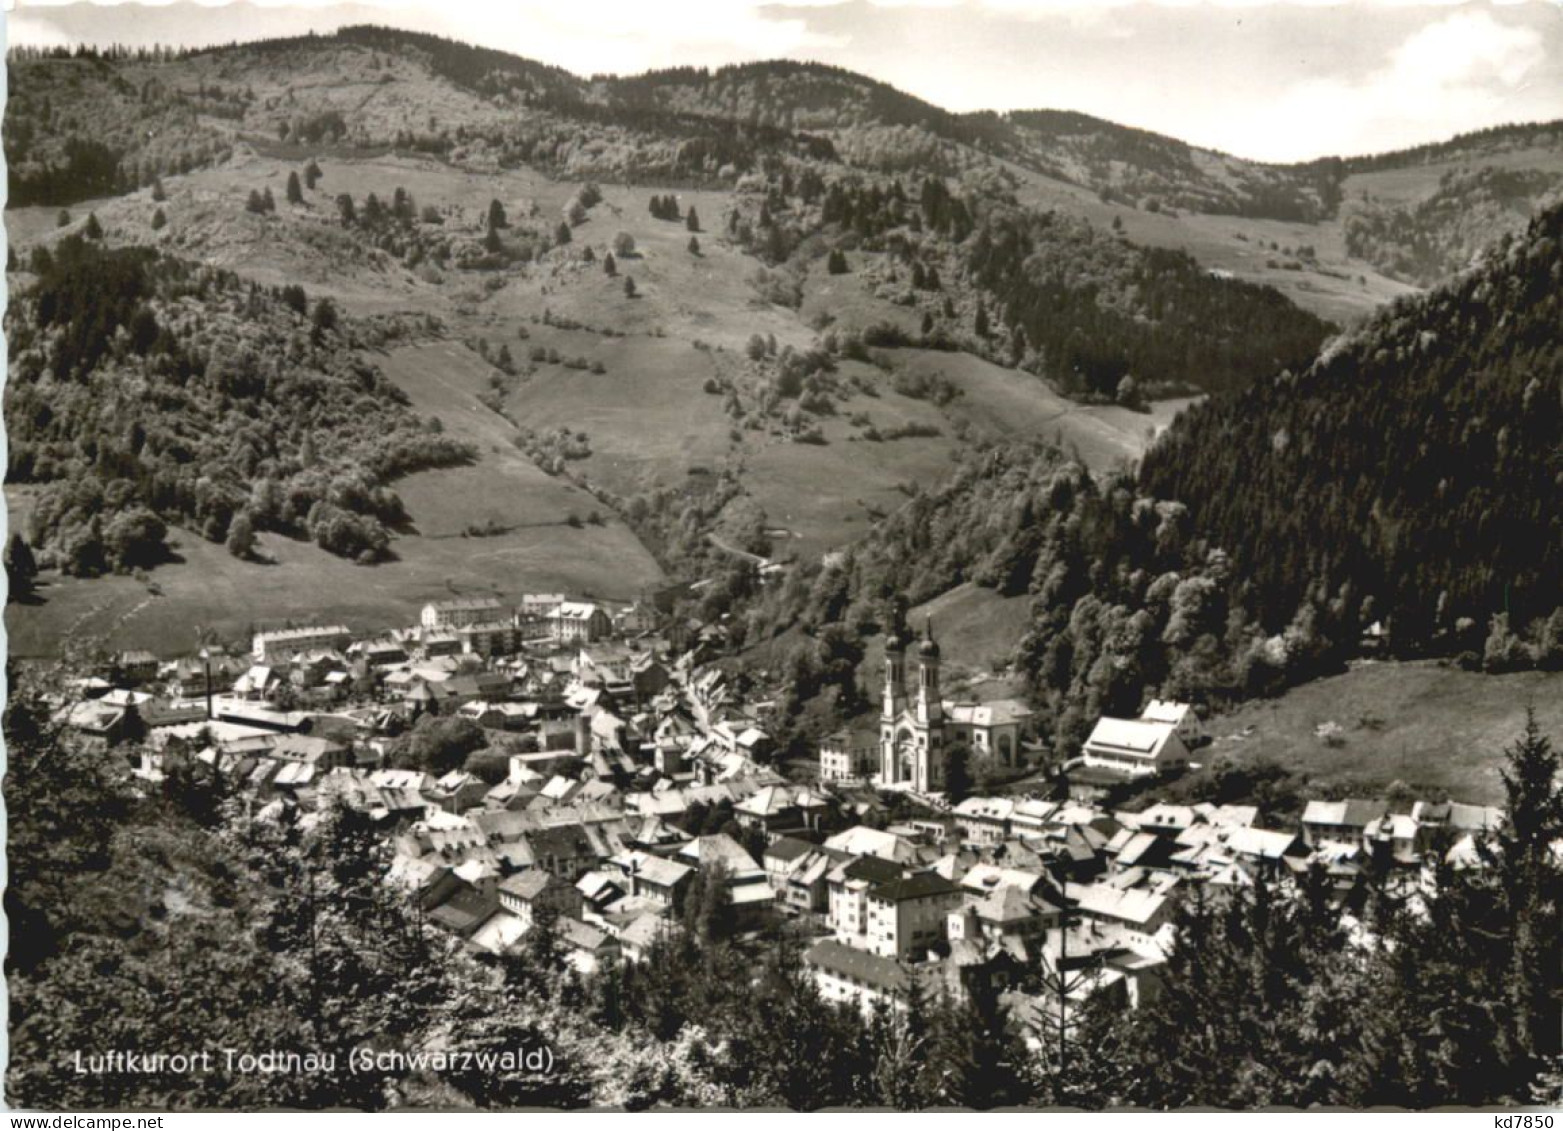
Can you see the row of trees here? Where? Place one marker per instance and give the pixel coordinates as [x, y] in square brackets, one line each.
[666, 208]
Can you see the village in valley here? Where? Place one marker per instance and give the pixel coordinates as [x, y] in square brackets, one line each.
[747, 586]
[603, 766]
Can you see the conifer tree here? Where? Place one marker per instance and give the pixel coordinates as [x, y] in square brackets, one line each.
[20, 566]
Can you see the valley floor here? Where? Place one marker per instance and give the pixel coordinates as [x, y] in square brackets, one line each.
[303, 584]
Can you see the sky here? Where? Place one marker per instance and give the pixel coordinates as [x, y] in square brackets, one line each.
[1287, 80]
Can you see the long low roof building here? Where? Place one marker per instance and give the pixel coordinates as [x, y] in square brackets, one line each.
[1134, 746]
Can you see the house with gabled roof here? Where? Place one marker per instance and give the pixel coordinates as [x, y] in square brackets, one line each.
[97, 725]
[1266, 852]
[1180, 716]
[638, 932]
[1131, 907]
[1453, 819]
[851, 974]
[280, 645]
[985, 820]
[1343, 821]
[587, 946]
[1006, 915]
[848, 755]
[575, 622]
[458, 791]
[777, 809]
[860, 840]
[567, 851]
[1134, 747]
[135, 667]
[527, 892]
[463, 910]
[651, 877]
[1137, 849]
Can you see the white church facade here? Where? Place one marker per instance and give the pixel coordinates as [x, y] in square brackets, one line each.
[917, 727]
[911, 731]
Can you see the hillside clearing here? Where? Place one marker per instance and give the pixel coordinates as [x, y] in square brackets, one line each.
[1438, 729]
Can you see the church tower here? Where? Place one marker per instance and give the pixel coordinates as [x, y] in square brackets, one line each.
[930, 706]
[930, 714]
[894, 707]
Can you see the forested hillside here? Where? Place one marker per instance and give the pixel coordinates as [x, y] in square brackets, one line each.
[1047, 292]
[1437, 237]
[1417, 461]
[1101, 310]
[80, 128]
[1412, 476]
[846, 228]
[144, 391]
[1152, 171]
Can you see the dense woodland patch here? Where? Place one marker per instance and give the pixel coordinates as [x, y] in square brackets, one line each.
[146, 391]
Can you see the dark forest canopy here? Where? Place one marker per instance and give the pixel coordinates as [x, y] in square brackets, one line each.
[1420, 459]
[1101, 310]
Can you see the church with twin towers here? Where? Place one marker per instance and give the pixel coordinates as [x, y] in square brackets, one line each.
[911, 733]
[918, 727]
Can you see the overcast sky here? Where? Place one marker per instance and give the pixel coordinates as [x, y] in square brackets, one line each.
[1275, 81]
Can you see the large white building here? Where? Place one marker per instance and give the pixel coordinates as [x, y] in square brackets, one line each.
[1181, 716]
[284, 643]
[580, 622]
[849, 754]
[1135, 747]
[462, 611]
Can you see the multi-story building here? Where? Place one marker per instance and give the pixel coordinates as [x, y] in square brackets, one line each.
[908, 916]
[461, 611]
[580, 622]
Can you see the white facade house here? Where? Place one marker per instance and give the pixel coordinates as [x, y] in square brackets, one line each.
[1134, 747]
[580, 622]
[1180, 716]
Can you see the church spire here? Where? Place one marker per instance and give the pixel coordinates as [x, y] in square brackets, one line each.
[930, 706]
[895, 675]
